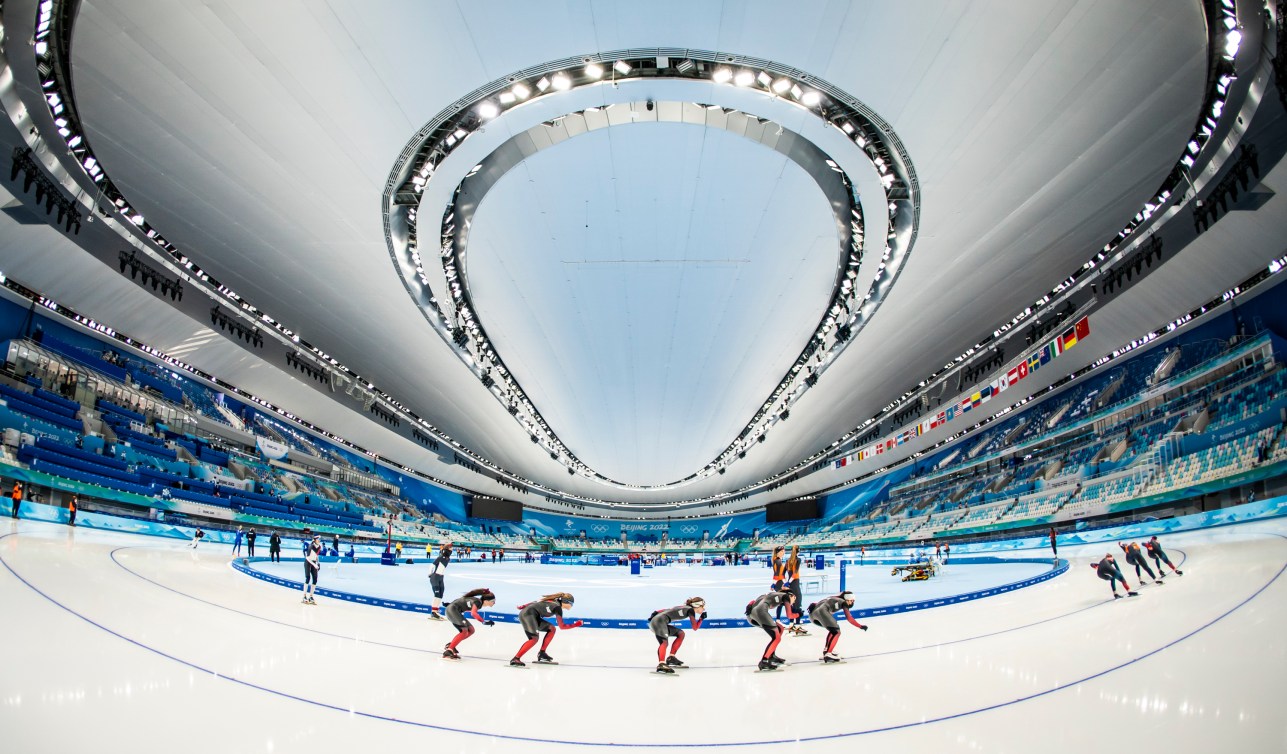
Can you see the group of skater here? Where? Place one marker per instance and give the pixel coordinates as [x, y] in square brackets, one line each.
[540, 619]
[545, 616]
[1108, 570]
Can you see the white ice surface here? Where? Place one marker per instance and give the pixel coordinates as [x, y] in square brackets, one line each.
[155, 648]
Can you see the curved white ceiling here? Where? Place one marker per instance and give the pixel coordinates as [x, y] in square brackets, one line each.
[257, 137]
[648, 285]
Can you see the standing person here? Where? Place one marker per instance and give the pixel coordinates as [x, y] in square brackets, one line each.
[1159, 557]
[1054, 545]
[531, 617]
[1135, 557]
[312, 565]
[793, 584]
[779, 572]
[16, 495]
[1108, 571]
[236, 543]
[428, 550]
[947, 551]
[938, 551]
[694, 609]
[274, 548]
[437, 573]
[397, 552]
[757, 612]
[335, 543]
[250, 542]
[470, 601]
[71, 512]
[823, 613]
[862, 554]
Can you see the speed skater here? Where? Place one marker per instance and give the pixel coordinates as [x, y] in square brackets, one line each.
[468, 602]
[823, 613]
[532, 618]
[757, 612]
[660, 622]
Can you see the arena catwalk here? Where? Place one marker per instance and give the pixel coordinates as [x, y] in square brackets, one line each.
[122, 640]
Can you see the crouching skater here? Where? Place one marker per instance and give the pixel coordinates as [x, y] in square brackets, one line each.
[661, 624]
[532, 617]
[823, 614]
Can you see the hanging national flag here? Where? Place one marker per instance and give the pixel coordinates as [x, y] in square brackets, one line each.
[1083, 328]
[1023, 369]
[1070, 338]
[1047, 353]
[1012, 376]
[950, 413]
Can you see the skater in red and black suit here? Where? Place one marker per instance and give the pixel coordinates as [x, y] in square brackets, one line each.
[694, 609]
[469, 602]
[757, 612]
[823, 613]
[1159, 557]
[1108, 571]
[1135, 557]
[532, 617]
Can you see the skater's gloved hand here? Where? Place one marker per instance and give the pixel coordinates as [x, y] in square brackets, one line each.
[489, 623]
[702, 616]
[575, 624]
[863, 628]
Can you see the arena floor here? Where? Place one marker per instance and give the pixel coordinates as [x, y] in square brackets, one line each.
[137, 643]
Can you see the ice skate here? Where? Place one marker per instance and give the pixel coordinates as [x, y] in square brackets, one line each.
[773, 658]
[664, 669]
[435, 616]
[544, 659]
[830, 658]
[450, 654]
[766, 664]
[517, 663]
[675, 662]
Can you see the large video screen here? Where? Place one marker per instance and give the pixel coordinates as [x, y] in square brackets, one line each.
[495, 508]
[800, 509]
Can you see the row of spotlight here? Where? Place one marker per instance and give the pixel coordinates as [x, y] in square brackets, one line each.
[562, 81]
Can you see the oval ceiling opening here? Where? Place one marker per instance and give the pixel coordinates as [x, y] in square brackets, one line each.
[648, 285]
